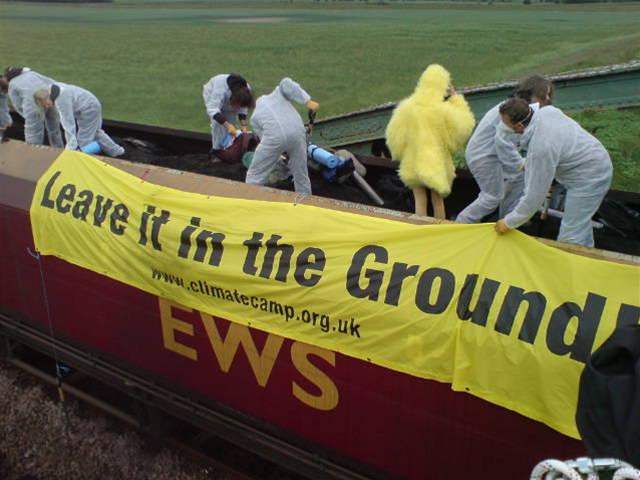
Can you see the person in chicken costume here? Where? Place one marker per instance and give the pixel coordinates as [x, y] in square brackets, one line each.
[424, 132]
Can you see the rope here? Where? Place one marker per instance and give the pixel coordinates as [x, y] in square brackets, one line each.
[627, 473]
[575, 469]
[45, 295]
[546, 467]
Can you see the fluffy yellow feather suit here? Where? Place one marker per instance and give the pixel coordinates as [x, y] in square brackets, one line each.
[425, 130]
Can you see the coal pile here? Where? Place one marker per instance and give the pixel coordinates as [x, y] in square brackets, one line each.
[619, 221]
[146, 152]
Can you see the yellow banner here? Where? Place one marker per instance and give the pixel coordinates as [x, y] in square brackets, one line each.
[507, 318]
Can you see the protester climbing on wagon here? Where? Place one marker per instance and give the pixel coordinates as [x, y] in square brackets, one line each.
[23, 83]
[281, 130]
[558, 147]
[494, 160]
[80, 114]
[424, 132]
[5, 116]
[227, 98]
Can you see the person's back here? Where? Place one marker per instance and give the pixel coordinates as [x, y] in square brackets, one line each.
[424, 131]
[558, 148]
[481, 143]
[280, 128]
[216, 94]
[22, 86]
[493, 159]
[493, 156]
[275, 115]
[23, 82]
[80, 114]
[582, 162]
[75, 97]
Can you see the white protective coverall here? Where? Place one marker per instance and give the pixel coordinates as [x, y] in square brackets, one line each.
[76, 105]
[559, 147]
[217, 96]
[493, 160]
[281, 129]
[21, 90]
[5, 117]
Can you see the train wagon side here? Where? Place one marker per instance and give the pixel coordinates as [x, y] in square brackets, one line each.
[370, 420]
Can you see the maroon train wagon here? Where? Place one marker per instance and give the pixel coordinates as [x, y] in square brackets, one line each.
[324, 414]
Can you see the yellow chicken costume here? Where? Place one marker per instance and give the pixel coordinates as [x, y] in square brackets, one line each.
[424, 132]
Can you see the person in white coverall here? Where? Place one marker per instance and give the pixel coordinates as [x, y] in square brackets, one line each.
[496, 165]
[281, 129]
[5, 117]
[80, 115]
[493, 158]
[23, 83]
[559, 148]
[227, 98]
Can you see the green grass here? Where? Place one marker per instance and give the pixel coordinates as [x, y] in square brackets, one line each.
[619, 131]
[147, 61]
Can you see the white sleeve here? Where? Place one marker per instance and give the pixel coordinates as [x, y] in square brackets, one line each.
[214, 94]
[64, 105]
[542, 159]
[33, 116]
[5, 117]
[507, 150]
[16, 100]
[256, 125]
[293, 92]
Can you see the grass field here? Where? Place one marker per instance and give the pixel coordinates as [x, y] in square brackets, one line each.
[147, 61]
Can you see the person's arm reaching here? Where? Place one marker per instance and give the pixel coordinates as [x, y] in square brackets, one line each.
[5, 117]
[293, 92]
[16, 100]
[214, 98]
[542, 161]
[459, 120]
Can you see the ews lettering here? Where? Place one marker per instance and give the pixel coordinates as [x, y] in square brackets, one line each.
[176, 332]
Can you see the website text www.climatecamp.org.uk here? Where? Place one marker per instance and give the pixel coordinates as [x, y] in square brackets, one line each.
[288, 313]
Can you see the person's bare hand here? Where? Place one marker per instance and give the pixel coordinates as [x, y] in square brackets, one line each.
[501, 227]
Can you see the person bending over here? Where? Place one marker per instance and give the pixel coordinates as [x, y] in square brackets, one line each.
[22, 84]
[227, 98]
[80, 114]
[281, 129]
[493, 158]
[559, 148]
[5, 117]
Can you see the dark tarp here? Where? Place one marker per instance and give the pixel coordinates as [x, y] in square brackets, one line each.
[608, 414]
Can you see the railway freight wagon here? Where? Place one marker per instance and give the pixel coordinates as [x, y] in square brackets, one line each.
[337, 339]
